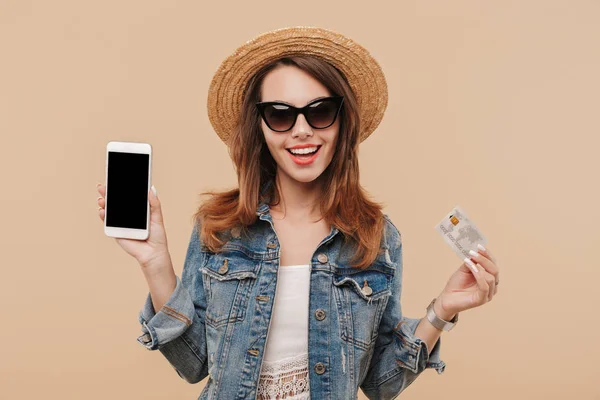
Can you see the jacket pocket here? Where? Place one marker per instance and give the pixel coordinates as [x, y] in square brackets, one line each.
[228, 280]
[361, 296]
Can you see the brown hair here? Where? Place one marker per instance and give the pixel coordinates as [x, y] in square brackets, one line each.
[344, 202]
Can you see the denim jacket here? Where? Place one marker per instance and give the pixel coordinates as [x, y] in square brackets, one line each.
[216, 321]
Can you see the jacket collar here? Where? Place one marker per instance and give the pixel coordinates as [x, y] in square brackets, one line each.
[262, 208]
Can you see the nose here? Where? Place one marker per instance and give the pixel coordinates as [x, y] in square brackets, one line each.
[301, 127]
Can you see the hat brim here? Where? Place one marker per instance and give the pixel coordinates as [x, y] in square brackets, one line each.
[362, 71]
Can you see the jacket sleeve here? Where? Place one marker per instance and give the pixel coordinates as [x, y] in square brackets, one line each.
[177, 330]
[399, 356]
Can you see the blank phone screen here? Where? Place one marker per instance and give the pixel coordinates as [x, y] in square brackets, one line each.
[127, 190]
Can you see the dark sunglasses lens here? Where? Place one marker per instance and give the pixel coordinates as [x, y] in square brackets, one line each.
[279, 117]
[322, 114]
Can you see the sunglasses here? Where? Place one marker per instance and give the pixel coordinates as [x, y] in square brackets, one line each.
[320, 113]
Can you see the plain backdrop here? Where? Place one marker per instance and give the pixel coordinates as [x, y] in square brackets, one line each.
[493, 105]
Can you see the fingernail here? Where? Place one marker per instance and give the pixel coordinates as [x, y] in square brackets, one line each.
[474, 253]
[154, 190]
[470, 265]
[480, 247]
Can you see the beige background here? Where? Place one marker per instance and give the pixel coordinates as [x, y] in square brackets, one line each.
[493, 106]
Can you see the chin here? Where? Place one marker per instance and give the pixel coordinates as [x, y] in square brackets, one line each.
[306, 176]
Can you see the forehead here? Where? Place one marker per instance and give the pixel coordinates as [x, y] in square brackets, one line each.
[291, 85]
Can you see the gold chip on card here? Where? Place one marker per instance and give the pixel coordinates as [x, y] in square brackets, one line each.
[454, 220]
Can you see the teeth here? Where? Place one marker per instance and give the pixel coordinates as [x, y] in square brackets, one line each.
[304, 151]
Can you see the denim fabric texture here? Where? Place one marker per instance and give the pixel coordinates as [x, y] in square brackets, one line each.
[215, 323]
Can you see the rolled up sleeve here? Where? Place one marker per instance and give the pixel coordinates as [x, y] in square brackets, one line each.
[178, 330]
[413, 352]
[175, 316]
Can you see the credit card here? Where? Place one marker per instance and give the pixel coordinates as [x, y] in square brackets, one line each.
[460, 233]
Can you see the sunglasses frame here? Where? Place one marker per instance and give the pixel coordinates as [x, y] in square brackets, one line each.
[261, 106]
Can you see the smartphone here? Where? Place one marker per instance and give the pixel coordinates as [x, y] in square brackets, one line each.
[128, 180]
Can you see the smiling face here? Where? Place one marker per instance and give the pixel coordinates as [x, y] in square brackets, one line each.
[294, 86]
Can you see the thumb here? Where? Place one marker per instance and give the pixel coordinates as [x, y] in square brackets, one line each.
[155, 210]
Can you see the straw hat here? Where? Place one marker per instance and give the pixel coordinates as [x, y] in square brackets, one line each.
[364, 74]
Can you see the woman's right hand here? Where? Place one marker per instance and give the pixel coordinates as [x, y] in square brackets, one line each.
[152, 252]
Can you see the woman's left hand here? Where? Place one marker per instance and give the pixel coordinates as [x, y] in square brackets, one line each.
[468, 289]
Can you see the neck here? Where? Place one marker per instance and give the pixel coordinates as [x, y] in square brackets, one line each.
[297, 200]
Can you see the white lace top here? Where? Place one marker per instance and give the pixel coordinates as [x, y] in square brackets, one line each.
[284, 373]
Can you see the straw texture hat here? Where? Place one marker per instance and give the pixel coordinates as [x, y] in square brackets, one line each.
[362, 71]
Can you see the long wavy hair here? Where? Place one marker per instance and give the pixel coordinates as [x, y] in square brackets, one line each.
[344, 203]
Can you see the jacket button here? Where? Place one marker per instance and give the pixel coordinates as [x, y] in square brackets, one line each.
[319, 368]
[271, 245]
[322, 258]
[320, 314]
[224, 268]
[366, 289]
[146, 338]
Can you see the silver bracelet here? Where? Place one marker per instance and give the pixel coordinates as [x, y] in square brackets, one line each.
[436, 321]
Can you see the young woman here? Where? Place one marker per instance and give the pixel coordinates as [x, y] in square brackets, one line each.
[292, 281]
